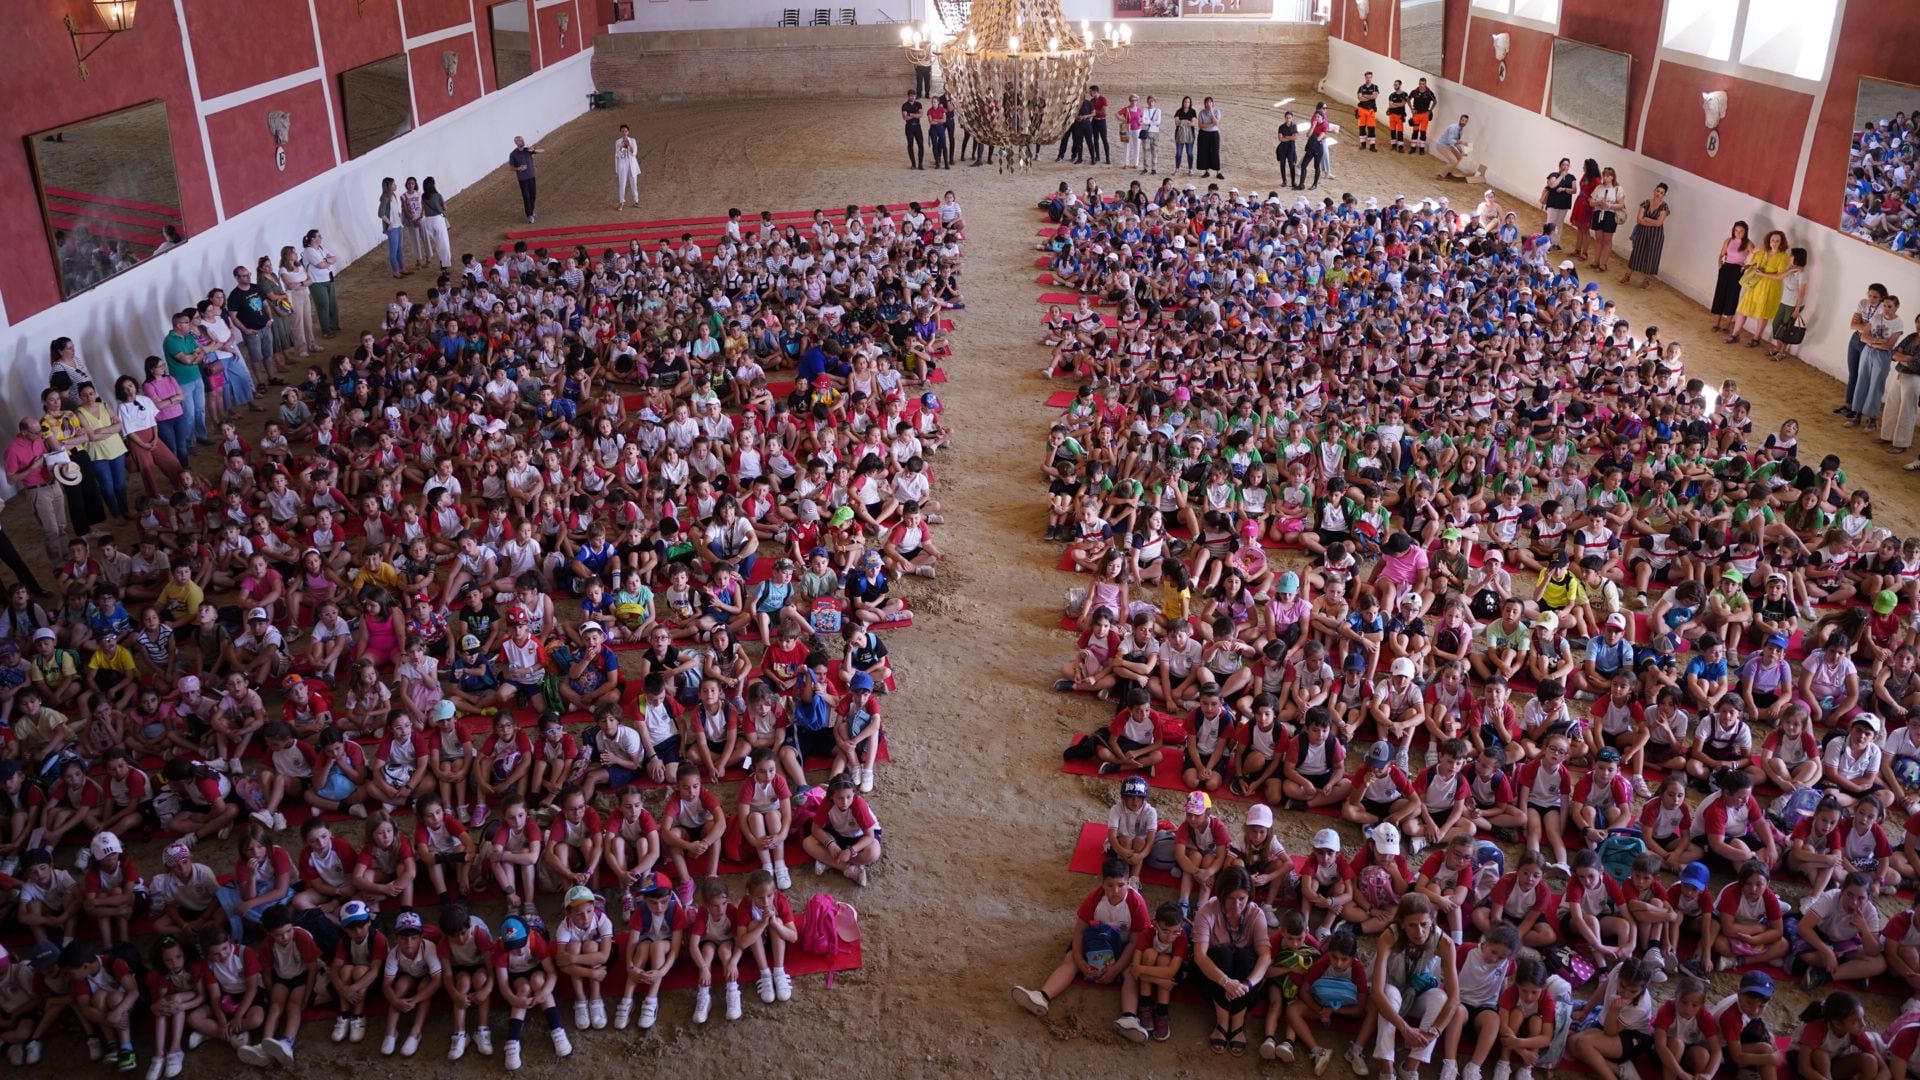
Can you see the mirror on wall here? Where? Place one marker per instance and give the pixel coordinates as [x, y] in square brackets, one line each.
[512, 42]
[1227, 9]
[108, 193]
[1590, 89]
[1882, 204]
[1423, 35]
[377, 103]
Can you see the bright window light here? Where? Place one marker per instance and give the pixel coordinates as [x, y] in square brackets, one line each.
[1504, 7]
[1547, 11]
[1702, 27]
[1789, 36]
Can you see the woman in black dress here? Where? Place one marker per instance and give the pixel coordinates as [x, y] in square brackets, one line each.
[1649, 238]
[1726, 287]
[1207, 149]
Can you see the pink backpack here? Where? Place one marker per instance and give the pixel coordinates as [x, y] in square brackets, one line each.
[820, 930]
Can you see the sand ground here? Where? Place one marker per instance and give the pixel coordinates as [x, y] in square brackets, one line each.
[973, 894]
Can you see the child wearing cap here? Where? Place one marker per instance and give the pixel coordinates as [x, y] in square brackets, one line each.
[410, 977]
[658, 925]
[583, 952]
[1201, 845]
[858, 731]
[1326, 882]
[1133, 825]
[1740, 1019]
[358, 961]
[524, 976]
[1381, 876]
[1379, 788]
[1851, 766]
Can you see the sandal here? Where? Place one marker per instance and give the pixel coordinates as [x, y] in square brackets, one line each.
[1217, 1042]
[1237, 1040]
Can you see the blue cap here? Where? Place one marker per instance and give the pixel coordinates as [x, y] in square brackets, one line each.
[1757, 982]
[860, 681]
[513, 933]
[1289, 582]
[1134, 785]
[1778, 641]
[1695, 875]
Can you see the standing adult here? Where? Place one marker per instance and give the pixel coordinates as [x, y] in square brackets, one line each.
[1649, 238]
[1150, 119]
[1322, 125]
[299, 283]
[1582, 215]
[923, 78]
[184, 360]
[952, 126]
[1232, 951]
[1397, 117]
[1206, 153]
[1760, 291]
[1790, 318]
[1421, 101]
[916, 141]
[1415, 985]
[937, 133]
[249, 304]
[1130, 132]
[1286, 151]
[626, 167]
[279, 309]
[1183, 134]
[106, 450]
[1367, 112]
[27, 470]
[1310, 155]
[66, 361]
[1902, 407]
[140, 425]
[65, 434]
[433, 209]
[321, 264]
[1862, 318]
[1876, 359]
[1734, 253]
[390, 224]
[521, 158]
[164, 391]
[1448, 148]
[1078, 132]
[413, 223]
[1098, 149]
[1556, 198]
[1608, 202]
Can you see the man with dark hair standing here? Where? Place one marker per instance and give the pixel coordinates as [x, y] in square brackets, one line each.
[1097, 147]
[916, 139]
[1422, 101]
[522, 161]
[1367, 111]
[1397, 118]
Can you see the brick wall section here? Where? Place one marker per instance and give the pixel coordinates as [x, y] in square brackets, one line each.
[866, 61]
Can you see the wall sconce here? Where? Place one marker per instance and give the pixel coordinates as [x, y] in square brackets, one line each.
[1365, 8]
[118, 17]
[1714, 104]
[1501, 43]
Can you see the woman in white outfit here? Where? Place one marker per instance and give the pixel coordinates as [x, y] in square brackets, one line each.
[626, 166]
[293, 275]
[433, 209]
[1415, 986]
[413, 218]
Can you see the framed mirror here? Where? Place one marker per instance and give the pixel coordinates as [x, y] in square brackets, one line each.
[1423, 35]
[377, 103]
[108, 193]
[512, 42]
[1590, 89]
[1882, 201]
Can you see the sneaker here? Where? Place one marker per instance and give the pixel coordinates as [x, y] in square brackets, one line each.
[410, 1047]
[562, 1046]
[782, 879]
[622, 1014]
[1162, 1024]
[1132, 1028]
[513, 1055]
[1640, 788]
[83, 860]
[1111, 768]
[1725, 963]
[1431, 759]
[1503, 1071]
[1357, 1058]
[1471, 1072]
[483, 1041]
[17, 1054]
[764, 986]
[280, 1051]
[33, 1051]
[1033, 1001]
[357, 810]
[1449, 1070]
[1321, 1058]
[599, 1014]
[866, 778]
[1659, 959]
[176, 1062]
[1627, 1071]
[340, 1029]
[733, 1001]
[649, 1012]
[358, 1029]
[236, 767]
[782, 986]
[1063, 685]
[459, 814]
[126, 1060]
[860, 876]
[1817, 977]
[582, 1016]
[1524, 1072]
[1277, 1051]
[1419, 844]
[194, 1039]
[1559, 871]
[250, 1054]
[95, 1048]
[702, 1005]
[457, 1049]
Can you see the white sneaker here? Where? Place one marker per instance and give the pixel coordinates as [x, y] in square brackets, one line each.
[765, 987]
[95, 1048]
[860, 876]
[649, 1012]
[782, 879]
[1471, 1072]
[249, 1054]
[702, 1005]
[1033, 1001]
[33, 1051]
[280, 821]
[194, 1039]
[1322, 1057]
[1503, 1071]
[1449, 1070]
[340, 1029]
[17, 1054]
[154, 1067]
[83, 860]
[235, 767]
[280, 1051]
[562, 1046]
[623, 1014]
[483, 1040]
[782, 985]
[582, 1016]
[176, 1062]
[1627, 1071]
[389, 1044]
[513, 1055]
[599, 1011]
[1130, 1026]
[1419, 844]
[357, 1030]
[1357, 1058]
[733, 1001]
[457, 1049]
[1640, 788]
[410, 1047]
[819, 868]
[866, 778]
[1524, 1072]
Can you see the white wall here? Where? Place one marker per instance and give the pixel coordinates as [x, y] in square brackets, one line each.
[1520, 147]
[119, 323]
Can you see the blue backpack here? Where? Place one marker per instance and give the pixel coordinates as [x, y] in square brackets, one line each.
[1618, 852]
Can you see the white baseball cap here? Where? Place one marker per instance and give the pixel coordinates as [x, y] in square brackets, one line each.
[1326, 840]
[1386, 838]
[1260, 814]
[1403, 666]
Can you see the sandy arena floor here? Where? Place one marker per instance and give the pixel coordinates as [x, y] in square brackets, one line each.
[974, 893]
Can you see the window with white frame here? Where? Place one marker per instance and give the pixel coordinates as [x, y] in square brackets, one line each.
[1546, 11]
[1788, 36]
[1504, 7]
[1701, 27]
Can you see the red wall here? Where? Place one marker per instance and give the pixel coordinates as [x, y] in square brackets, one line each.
[1758, 138]
[1529, 56]
[238, 45]
[1455, 31]
[1380, 35]
[1875, 42]
[1628, 26]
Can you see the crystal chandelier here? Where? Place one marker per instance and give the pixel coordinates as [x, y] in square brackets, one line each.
[1016, 72]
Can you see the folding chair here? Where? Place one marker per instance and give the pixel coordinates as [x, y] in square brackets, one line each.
[790, 17]
[822, 17]
[848, 17]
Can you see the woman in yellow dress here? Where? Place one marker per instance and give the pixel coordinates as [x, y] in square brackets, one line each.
[1760, 288]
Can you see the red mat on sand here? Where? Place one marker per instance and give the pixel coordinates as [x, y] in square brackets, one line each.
[1060, 399]
[750, 219]
[1043, 262]
[1064, 299]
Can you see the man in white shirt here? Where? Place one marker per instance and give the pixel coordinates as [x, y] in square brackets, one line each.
[626, 166]
[1150, 137]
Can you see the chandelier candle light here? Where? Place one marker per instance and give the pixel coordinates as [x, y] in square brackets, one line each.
[1016, 72]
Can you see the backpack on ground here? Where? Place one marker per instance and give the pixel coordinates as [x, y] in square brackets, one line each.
[1790, 809]
[818, 933]
[1618, 852]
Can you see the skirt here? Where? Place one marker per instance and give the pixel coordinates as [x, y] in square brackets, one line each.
[1207, 152]
[1648, 240]
[1726, 289]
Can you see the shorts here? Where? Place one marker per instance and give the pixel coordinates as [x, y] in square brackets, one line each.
[297, 982]
[529, 690]
[1634, 1043]
[668, 750]
[619, 776]
[1329, 537]
[1129, 746]
[849, 841]
[1319, 781]
[1377, 807]
[716, 748]
[813, 744]
[467, 969]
